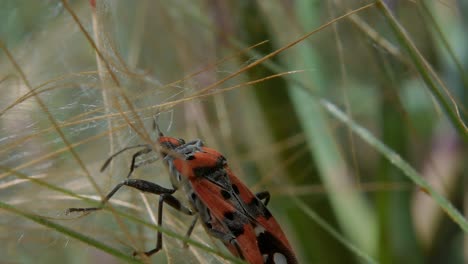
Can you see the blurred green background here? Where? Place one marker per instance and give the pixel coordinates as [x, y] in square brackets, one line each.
[357, 129]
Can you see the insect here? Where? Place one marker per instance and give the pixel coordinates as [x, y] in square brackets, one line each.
[228, 210]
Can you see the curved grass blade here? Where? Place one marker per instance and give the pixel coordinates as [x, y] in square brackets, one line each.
[332, 231]
[396, 160]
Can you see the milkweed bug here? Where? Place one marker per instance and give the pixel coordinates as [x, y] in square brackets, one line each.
[228, 210]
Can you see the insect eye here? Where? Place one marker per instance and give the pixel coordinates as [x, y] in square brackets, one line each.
[181, 141]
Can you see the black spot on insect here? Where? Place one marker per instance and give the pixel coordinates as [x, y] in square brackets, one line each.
[226, 195]
[237, 232]
[190, 157]
[208, 225]
[221, 161]
[193, 196]
[205, 172]
[254, 202]
[236, 229]
[236, 190]
[235, 222]
[229, 215]
[270, 245]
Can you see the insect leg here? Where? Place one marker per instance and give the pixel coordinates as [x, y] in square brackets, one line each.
[265, 195]
[104, 166]
[142, 185]
[190, 230]
[133, 165]
[173, 202]
[145, 186]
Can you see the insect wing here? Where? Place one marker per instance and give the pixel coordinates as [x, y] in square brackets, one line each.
[237, 223]
[258, 234]
[272, 241]
[271, 238]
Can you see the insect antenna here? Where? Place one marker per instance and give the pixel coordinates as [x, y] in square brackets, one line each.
[156, 125]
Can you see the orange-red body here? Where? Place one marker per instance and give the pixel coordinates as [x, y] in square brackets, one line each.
[229, 210]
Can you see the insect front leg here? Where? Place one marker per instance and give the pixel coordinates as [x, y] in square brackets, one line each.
[147, 149]
[165, 196]
[133, 165]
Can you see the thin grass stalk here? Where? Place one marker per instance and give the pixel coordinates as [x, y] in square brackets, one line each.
[351, 210]
[437, 90]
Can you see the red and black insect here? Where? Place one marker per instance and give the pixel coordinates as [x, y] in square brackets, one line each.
[227, 209]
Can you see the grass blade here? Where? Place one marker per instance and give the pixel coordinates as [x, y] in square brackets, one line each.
[395, 159]
[426, 73]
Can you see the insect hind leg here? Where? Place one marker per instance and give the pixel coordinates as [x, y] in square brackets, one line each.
[142, 185]
[176, 204]
[190, 230]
